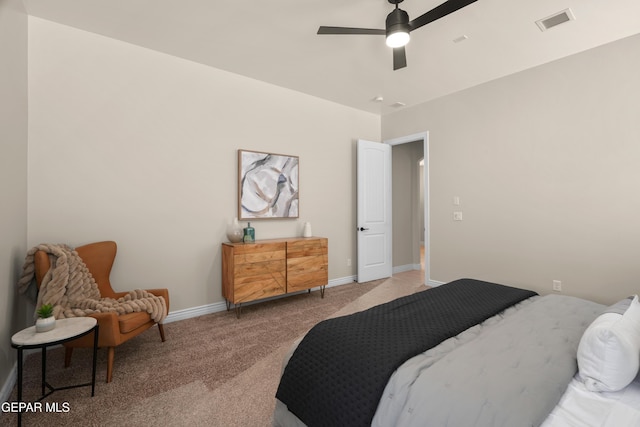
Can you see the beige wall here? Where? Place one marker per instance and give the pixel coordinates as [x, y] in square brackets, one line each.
[545, 163]
[13, 177]
[140, 147]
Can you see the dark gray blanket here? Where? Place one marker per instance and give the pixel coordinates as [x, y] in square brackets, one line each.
[339, 371]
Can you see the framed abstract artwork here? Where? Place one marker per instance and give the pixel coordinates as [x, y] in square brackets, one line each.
[267, 185]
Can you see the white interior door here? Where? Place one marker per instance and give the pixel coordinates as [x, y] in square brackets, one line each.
[374, 211]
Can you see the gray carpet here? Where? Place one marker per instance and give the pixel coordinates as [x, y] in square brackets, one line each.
[213, 370]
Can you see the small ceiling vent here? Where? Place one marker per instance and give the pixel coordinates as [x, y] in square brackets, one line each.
[555, 20]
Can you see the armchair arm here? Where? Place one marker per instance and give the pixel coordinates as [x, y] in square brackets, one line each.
[109, 332]
[109, 329]
[164, 293]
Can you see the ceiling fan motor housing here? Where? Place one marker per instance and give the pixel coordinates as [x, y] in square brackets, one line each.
[398, 27]
[397, 21]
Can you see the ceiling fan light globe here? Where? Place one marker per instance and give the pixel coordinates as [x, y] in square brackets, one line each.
[398, 39]
[397, 28]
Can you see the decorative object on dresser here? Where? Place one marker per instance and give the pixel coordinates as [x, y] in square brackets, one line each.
[269, 268]
[249, 234]
[306, 231]
[234, 231]
[267, 185]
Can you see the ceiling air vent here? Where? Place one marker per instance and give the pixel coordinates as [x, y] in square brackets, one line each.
[555, 20]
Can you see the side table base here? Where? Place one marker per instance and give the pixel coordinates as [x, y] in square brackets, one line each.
[44, 384]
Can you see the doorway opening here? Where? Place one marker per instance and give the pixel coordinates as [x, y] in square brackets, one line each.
[410, 205]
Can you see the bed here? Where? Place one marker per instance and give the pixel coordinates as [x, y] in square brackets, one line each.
[468, 353]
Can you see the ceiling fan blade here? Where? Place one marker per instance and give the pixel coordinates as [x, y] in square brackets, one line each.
[399, 58]
[347, 30]
[438, 12]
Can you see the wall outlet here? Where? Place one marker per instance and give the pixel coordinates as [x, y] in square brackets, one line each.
[557, 285]
[457, 216]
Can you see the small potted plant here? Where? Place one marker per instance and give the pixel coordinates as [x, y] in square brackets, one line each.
[46, 321]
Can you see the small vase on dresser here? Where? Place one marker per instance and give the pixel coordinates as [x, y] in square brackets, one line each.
[234, 231]
[306, 230]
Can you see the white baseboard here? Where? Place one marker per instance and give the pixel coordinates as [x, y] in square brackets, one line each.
[216, 307]
[406, 267]
[342, 281]
[435, 283]
[189, 313]
[7, 387]
[409, 267]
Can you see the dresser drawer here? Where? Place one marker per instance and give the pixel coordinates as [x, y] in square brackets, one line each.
[307, 264]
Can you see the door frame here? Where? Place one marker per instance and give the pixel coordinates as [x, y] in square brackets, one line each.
[424, 137]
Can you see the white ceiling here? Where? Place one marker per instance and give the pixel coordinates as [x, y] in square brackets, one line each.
[275, 41]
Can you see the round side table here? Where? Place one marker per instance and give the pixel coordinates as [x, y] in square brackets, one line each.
[65, 330]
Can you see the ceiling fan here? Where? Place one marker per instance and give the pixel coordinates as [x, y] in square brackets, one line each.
[398, 26]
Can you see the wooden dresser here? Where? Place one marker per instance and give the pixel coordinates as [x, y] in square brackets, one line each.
[267, 268]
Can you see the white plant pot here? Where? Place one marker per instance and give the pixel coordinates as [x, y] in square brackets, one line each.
[45, 324]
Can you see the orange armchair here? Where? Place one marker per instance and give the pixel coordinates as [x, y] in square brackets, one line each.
[114, 329]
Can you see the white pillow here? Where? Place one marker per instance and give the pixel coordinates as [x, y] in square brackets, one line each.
[609, 350]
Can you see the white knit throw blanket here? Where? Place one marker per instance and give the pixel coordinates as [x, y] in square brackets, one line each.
[73, 292]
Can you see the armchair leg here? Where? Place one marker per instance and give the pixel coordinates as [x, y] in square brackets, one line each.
[68, 352]
[110, 356]
[161, 329]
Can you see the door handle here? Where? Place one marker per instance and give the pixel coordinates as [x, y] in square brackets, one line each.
[363, 229]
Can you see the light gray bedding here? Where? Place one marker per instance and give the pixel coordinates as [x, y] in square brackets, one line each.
[510, 370]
